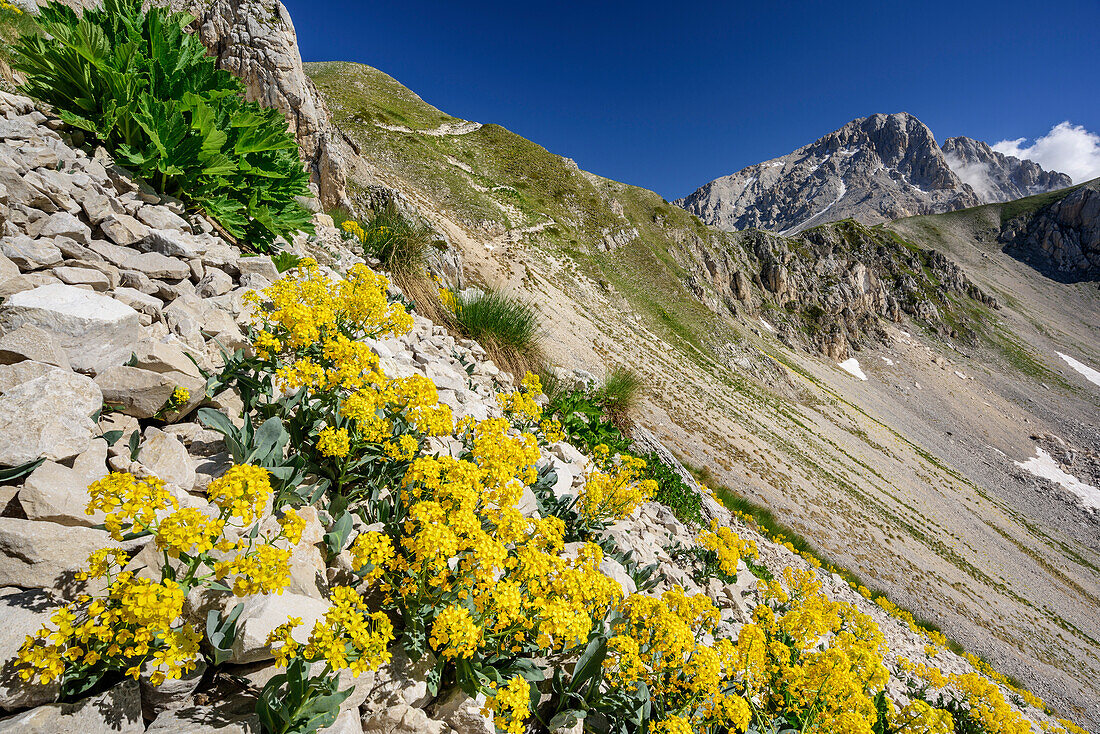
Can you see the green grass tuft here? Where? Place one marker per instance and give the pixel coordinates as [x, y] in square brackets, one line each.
[506, 325]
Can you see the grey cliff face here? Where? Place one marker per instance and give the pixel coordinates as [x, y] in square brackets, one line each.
[996, 177]
[873, 169]
[1061, 240]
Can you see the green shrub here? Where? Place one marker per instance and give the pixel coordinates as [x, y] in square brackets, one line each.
[673, 492]
[507, 326]
[584, 420]
[145, 88]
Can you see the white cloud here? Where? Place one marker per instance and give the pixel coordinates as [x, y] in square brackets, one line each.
[975, 174]
[1068, 148]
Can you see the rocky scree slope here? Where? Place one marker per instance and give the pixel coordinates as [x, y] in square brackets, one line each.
[873, 169]
[113, 298]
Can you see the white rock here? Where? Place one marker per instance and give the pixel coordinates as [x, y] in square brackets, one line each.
[43, 555]
[161, 217]
[55, 493]
[28, 342]
[165, 456]
[401, 719]
[29, 254]
[347, 722]
[402, 682]
[24, 613]
[64, 224]
[95, 331]
[262, 613]
[143, 393]
[117, 711]
[174, 244]
[224, 717]
[462, 713]
[98, 280]
[122, 229]
[48, 416]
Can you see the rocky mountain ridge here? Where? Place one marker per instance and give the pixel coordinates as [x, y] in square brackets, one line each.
[873, 169]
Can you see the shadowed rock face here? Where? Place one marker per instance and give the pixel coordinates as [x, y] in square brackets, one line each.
[996, 177]
[1062, 240]
[873, 169]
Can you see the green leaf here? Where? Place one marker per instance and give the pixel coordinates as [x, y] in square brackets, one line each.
[337, 536]
[221, 633]
[9, 474]
[135, 444]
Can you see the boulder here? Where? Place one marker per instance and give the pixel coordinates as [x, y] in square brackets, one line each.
[117, 711]
[55, 493]
[99, 207]
[223, 717]
[348, 722]
[401, 719]
[24, 612]
[97, 279]
[163, 357]
[262, 613]
[214, 282]
[141, 302]
[260, 265]
[95, 331]
[174, 243]
[161, 217]
[122, 229]
[165, 457]
[171, 694]
[28, 342]
[44, 555]
[462, 713]
[143, 393]
[64, 224]
[48, 416]
[402, 681]
[29, 254]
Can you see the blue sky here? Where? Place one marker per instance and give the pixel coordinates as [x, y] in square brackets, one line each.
[671, 95]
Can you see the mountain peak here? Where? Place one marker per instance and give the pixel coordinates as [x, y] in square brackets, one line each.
[873, 169]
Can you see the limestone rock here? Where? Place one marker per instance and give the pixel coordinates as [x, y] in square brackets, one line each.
[401, 719]
[30, 342]
[462, 713]
[122, 229]
[64, 224]
[55, 493]
[402, 682]
[117, 711]
[165, 456]
[43, 555]
[95, 331]
[143, 393]
[174, 243]
[98, 280]
[226, 716]
[24, 613]
[48, 416]
[348, 722]
[263, 613]
[28, 253]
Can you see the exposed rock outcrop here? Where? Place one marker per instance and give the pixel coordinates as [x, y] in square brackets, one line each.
[1062, 239]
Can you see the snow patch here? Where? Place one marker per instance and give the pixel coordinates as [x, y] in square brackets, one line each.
[1043, 465]
[851, 366]
[1090, 374]
[960, 375]
[767, 326]
[888, 361]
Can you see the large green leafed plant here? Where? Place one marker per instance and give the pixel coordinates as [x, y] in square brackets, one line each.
[145, 88]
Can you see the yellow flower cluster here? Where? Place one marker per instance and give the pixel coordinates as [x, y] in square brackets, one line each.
[615, 487]
[352, 227]
[334, 442]
[728, 547]
[129, 501]
[509, 705]
[136, 620]
[981, 698]
[132, 622]
[521, 405]
[659, 642]
[348, 636]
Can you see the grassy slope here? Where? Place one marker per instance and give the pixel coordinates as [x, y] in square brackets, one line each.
[492, 176]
